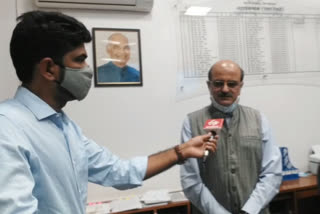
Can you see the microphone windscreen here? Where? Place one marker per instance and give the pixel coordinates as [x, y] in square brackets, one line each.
[213, 125]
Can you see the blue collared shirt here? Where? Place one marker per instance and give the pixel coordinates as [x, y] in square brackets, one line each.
[266, 188]
[111, 73]
[46, 161]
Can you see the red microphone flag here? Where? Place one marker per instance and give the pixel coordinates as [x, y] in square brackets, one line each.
[213, 125]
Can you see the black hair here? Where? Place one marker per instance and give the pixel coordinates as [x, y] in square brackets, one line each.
[210, 75]
[41, 34]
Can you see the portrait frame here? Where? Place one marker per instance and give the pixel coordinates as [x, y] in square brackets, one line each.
[117, 57]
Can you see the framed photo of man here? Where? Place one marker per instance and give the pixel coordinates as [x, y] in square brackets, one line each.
[117, 57]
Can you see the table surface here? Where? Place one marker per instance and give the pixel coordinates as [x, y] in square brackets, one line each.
[302, 183]
[157, 207]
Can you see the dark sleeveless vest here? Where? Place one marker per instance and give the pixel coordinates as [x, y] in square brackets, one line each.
[232, 172]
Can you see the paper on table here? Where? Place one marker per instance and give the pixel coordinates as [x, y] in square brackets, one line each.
[98, 208]
[177, 196]
[156, 196]
[127, 203]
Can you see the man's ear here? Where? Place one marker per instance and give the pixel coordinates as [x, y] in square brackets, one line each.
[209, 87]
[48, 69]
[109, 49]
[209, 84]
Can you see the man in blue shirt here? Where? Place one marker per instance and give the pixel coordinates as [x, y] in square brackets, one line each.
[45, 160]
[117, 69]
[244, 174]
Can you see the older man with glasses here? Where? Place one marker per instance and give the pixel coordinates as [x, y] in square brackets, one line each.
[244, 174]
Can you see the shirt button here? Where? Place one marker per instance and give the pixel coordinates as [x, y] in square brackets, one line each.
[233, 171]
[230, 135]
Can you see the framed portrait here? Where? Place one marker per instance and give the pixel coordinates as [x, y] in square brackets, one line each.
[117, 57]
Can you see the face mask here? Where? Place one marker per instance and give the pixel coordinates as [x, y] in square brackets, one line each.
[225, 109]
[77, 81]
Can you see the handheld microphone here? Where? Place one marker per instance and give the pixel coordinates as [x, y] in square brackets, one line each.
[214, 126]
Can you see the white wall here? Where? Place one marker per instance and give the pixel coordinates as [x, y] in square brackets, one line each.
[8, 80]
[142, 120]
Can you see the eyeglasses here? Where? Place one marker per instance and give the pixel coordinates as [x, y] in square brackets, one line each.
[220, 83]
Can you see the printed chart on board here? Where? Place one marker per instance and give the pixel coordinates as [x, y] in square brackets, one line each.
[274, 41]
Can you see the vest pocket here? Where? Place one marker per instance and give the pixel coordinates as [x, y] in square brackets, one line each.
[250, 148]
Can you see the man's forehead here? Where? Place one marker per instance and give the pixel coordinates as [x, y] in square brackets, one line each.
[226, 70]
[80, 50]
[226, 65]
[118, 40]
[113, 42]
